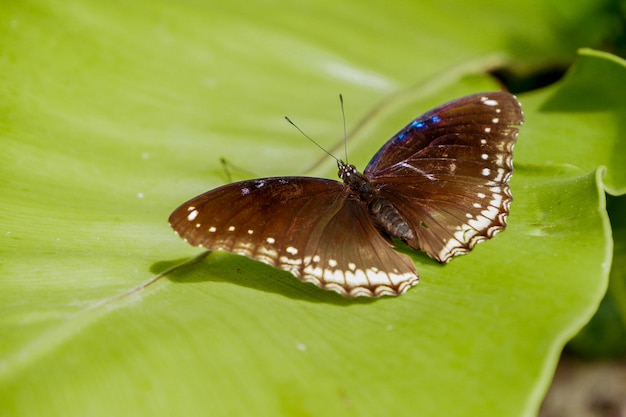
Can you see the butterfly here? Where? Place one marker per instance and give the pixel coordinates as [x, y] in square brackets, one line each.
[440, 185]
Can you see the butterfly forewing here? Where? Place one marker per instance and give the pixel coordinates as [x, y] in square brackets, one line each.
[308, 226]
[447, 172]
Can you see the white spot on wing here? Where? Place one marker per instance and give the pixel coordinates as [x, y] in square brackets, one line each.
[491, 212]
[497, 200]
[270, 240]
[192, 215]
[243, 249]
[332, 263]
[231, 228]
[500, 175]
[313, 272]
[292, 250]
[480, 223]
[212, 229]
[290, 264]
[266, 255]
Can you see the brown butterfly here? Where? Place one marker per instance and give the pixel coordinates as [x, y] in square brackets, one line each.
[440, 185]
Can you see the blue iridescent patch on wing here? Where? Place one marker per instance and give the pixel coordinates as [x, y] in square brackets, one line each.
[417, 124]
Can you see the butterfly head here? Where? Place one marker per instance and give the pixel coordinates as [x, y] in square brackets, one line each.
[346, 170]
[355, 180]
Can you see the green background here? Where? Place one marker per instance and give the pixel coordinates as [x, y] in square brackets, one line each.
[112, 114]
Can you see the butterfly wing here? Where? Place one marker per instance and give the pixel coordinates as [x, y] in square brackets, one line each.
[310, 227]
[447, 172]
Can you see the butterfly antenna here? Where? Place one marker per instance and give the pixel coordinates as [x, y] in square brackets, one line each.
[345, 131]
[309, 138]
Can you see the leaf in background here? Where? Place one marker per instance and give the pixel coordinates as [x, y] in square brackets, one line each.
[582, 119]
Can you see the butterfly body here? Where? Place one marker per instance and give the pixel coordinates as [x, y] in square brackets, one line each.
[440, 185]
[382, 211]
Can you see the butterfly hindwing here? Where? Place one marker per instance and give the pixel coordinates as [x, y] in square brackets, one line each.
[447, 172]
[307, 226]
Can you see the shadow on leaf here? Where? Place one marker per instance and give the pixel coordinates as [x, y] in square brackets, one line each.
[224, 267]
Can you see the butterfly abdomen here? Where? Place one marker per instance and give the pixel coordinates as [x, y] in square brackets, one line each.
[384, 213]
[390, 219]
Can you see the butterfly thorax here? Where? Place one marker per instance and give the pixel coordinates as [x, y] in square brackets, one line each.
[357, 182]
[386, 215]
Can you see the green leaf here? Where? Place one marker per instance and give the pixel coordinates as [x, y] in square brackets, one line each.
[605, 335]
[581, 120]
[114, 113]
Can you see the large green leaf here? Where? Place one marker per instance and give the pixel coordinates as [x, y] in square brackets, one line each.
[114, 113]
